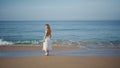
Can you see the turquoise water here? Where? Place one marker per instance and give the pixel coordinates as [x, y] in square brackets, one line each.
[31, 32]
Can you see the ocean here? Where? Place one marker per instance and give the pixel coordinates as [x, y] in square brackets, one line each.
[93, 37]
[63, 32]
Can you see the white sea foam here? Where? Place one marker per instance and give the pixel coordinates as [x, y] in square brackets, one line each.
[2, 42]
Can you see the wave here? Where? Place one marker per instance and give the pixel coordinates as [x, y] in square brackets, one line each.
[29, 42]
[2, 42]
[81, 44]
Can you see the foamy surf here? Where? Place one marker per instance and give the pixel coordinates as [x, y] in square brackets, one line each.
[81, 44]
[2, 42]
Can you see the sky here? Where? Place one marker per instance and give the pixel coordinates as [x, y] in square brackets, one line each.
[59, 9]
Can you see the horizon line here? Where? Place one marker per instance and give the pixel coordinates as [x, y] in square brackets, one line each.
[59, 20]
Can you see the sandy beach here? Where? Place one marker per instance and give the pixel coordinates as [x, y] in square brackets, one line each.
[61, 62]
[57, 61]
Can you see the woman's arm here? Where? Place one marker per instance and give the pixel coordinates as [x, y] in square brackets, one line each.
[50, 35]
[44, 36]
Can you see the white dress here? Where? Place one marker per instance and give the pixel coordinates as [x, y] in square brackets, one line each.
[47, 44]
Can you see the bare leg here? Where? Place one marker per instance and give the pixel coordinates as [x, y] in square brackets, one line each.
[47, 53]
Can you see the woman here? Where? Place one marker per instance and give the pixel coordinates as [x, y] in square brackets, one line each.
[46, 40]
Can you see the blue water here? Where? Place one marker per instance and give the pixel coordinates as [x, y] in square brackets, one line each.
[93, 37]
[31, 32]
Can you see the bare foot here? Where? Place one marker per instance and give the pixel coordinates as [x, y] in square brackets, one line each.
[46, 54]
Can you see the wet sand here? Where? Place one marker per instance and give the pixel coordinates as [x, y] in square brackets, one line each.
[57, 61]
[34, 47]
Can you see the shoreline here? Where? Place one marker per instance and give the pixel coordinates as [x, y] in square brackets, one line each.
[61, 59]
[36, 50]
[54, 47]
[35, 47]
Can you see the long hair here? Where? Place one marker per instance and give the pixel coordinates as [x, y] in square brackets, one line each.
[48, 28]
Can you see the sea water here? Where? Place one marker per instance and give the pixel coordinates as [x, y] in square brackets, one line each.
[88, 35]
[32, 32]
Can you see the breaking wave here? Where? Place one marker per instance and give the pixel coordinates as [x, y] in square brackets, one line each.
[2, 42]
[81, 44]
